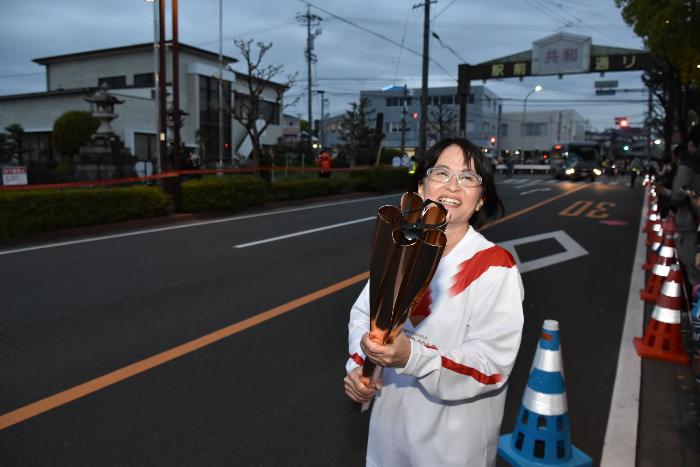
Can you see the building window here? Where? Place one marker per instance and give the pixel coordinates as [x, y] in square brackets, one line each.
[534, 129]
[144, 80]
[114, 82]
[446, 99]
[471, 98]
[209, 118]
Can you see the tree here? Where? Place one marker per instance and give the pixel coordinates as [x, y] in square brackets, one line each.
[13, 147]
[356, 132]
[253, 110]
[669, 31]
[72, 130]
[442, 122]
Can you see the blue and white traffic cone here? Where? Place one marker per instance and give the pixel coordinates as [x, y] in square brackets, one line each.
[541, 435]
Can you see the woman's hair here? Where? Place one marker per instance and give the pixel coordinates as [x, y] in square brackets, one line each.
[492, 207]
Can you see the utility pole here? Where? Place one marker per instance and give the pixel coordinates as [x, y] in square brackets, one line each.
[404, 111]
[162, 92]
[176, 90]
[423, 125]
[310, 20]
[498, 131]
[321, 129]
[221, 86]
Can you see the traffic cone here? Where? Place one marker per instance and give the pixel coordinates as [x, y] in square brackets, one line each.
[668, 229]
[653, 248]
[541, 436]
[652, 216]
[666, 256]
[662, 337]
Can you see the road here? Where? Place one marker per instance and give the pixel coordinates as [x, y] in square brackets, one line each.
[176, 347]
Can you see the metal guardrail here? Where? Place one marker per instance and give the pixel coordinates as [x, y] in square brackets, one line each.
[525, 168]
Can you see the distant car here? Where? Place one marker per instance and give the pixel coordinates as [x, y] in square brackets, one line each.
[579, 169]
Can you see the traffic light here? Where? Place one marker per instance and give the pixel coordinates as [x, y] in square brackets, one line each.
[622, 122]
[492, 140]
[415, 115]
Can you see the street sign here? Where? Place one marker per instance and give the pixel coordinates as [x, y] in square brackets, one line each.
[14, 175]
[604, 92]
[605, 84]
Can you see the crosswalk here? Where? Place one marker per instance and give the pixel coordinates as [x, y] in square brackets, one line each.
[522, 182]
[527, 185]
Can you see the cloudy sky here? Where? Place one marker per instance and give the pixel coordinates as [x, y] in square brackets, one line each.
[350, 54]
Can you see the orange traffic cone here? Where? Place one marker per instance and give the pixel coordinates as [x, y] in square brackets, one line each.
[662, 337]
[668, 229]
[666, 256]
[652, 217]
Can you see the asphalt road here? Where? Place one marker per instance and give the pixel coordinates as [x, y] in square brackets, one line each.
[84, 378]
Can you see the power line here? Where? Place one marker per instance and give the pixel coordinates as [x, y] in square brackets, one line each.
[376, 34]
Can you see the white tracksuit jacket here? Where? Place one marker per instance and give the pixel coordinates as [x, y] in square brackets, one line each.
[444, 408]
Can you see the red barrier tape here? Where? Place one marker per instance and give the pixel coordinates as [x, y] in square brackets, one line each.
[123, 181]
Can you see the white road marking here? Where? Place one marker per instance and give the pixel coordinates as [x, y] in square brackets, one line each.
[304, 232]
[187, 226]
[571, 250]
[529, 183]
[533, 191]
[620, 445]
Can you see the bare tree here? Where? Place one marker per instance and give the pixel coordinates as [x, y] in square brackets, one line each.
[442, 122]
[255, 105]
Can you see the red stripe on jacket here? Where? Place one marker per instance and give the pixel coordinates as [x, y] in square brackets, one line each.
[471, 269]
[472, 372]
[357, 359]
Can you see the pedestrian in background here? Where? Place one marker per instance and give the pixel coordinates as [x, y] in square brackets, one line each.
[324, 164]
[686, 181]
[444, 380]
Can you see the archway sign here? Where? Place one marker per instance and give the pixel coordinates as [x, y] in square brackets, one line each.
[559, 54]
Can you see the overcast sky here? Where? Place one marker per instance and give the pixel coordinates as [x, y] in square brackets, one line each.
[349, 59]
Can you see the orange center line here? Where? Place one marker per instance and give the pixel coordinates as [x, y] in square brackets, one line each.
[76, 392]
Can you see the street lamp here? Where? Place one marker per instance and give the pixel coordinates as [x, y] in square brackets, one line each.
[537, 88]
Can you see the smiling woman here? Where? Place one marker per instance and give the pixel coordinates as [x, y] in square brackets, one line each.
[454, 356]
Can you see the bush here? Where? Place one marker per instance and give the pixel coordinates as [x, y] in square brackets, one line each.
[223, 193]
[381, 179]
[72, 130]
[283, 190]
[29, 212]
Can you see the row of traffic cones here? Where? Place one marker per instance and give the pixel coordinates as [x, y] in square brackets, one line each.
[662, 339]
[542, 433]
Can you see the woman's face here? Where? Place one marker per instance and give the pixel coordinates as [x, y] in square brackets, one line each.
[461, 202]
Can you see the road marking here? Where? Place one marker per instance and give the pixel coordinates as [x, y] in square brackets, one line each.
[571, 250]
[529, 183]
[187, 226]
[620, 445]
[76, 392]
[51, 402]
[535, 190]
[304, 232]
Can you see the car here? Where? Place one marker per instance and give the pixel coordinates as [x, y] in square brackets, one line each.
[578, 169]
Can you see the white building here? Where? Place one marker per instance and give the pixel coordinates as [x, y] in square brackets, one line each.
[443, 111]
[128, 71]
[540, 130]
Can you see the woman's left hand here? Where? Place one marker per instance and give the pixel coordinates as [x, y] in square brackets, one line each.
[395, 354]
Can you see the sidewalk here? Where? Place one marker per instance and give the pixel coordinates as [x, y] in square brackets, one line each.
[668, 429]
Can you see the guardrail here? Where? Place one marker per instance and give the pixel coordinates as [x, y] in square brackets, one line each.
[525, 168]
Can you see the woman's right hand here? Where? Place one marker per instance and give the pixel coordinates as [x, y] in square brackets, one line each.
[356, 389]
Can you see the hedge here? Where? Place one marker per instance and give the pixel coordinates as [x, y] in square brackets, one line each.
[29, 212]
[381, 179]
[231, 193]
[283, 190]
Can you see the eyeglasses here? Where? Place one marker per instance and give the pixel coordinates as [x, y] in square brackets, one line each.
[467, 179]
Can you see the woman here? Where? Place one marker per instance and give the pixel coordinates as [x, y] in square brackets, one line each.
[443, 391]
